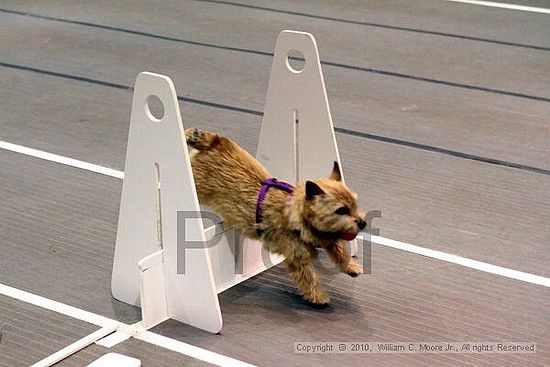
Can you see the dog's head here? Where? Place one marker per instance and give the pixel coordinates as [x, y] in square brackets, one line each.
[330, 208]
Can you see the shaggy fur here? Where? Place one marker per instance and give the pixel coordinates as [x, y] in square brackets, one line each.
[318, 214]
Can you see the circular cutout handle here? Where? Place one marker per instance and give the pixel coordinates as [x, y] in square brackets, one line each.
[295, 61]
[154, 108]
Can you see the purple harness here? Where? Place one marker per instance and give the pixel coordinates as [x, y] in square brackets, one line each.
[266, 185]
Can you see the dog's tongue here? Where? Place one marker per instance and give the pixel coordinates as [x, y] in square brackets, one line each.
[348, 236]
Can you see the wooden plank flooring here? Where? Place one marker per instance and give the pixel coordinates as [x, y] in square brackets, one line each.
[441, 112]
[149, 355]
[29, 333]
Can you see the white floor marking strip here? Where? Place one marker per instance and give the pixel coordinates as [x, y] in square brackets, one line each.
[111, 325]
[60, 159]
[113, 339]
[123, 333]
[434, 254]
[503, 6]
[108, 325]
[55, 306]
[190, 350]
[464, 261]
[74, 347]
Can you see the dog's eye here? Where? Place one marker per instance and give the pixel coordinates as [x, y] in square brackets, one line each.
[342, 211]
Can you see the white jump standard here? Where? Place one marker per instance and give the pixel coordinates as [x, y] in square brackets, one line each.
[158, 183]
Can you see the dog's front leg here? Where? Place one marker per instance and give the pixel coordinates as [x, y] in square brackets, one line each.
[302, 273]
[342, 258]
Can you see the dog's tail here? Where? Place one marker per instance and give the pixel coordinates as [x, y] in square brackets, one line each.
[201, 140]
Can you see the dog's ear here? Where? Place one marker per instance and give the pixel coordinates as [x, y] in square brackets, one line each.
[312, 189]
[336, 175]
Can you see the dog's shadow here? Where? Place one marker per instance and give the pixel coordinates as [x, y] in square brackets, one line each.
[271, 294]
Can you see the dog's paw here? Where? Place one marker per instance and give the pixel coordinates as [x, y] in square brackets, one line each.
[353, 269]
[318, 299]
[195, 136]
[319, 306]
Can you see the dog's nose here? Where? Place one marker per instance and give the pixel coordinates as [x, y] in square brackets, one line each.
[361, 223]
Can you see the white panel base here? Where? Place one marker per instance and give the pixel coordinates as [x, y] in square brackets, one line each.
[115, 360]
[154, 308]
[236, 258]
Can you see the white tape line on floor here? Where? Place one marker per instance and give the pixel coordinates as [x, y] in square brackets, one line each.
[508, 6]
[61, 159]
[434, 254]
[74, 347]
[58, 307]
[463, 261]
[109, 324]
[190, 350]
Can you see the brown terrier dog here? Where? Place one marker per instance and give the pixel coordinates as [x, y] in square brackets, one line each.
[293, 222]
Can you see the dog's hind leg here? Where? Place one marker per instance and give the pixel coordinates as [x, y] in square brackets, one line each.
[200, 139]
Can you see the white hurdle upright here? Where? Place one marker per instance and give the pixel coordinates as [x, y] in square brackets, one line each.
[297, 139]
[296, 142]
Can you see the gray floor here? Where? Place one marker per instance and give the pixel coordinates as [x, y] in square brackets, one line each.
[24, 340]
[441, 112]
[150, 355]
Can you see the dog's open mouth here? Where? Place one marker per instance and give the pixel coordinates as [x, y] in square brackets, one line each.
[348, 236]
[344, 235]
